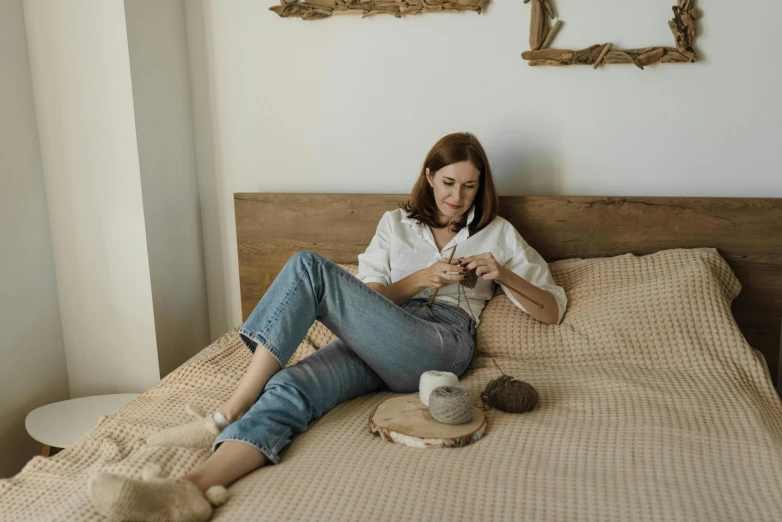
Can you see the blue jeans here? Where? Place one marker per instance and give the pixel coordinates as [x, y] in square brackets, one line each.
[380, 346]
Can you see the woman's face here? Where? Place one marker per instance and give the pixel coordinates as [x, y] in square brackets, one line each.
[455, 187]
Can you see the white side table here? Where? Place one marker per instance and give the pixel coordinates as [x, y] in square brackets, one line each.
[60, 424]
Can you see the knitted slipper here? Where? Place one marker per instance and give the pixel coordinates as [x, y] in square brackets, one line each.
[199, 434]
[152, 499]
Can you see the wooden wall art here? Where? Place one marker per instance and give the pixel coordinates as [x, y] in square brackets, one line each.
[541, 34]
[317, 9]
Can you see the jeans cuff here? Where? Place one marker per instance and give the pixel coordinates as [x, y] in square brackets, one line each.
[273, 457]
[245, 335]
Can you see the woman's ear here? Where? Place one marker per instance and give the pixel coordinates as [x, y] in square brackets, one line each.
[428, 178]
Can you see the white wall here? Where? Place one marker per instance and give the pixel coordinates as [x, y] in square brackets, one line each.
[157, 44]
[84, 105]
[352, 105]
[32, 358]
[216, 239]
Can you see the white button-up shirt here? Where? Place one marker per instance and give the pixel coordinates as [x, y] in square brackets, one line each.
[402, 246]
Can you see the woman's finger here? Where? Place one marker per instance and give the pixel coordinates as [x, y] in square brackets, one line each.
[475, 264]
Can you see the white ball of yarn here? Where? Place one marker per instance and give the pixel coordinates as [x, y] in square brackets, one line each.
[434, 379]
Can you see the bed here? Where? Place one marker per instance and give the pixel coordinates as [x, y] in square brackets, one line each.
[657, 398]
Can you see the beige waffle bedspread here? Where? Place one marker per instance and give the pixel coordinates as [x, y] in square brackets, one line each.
[653, 407]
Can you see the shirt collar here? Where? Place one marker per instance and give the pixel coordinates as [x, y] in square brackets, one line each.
[423, 232]
[471, 215]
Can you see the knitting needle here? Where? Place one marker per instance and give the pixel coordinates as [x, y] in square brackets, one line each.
[520, 293]
[437, 289]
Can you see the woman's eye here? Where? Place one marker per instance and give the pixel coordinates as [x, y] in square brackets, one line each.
[450, 184]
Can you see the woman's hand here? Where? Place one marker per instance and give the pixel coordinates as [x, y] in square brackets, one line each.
[484, 264]
[436, 277]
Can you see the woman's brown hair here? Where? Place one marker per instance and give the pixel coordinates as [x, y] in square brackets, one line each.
[454, 148]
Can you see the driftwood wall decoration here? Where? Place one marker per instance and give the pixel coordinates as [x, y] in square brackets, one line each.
[542, 33]
[317, 9]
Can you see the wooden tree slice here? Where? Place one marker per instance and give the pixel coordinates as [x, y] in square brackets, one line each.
[407, 421]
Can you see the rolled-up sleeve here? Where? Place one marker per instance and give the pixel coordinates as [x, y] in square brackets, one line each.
[374, 265]
[527, 263]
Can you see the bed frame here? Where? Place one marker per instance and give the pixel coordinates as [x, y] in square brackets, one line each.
[747, 232]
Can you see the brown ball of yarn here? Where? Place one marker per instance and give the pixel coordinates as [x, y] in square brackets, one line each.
[510, 395]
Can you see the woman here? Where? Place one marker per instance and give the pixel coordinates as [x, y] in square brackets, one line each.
[387, 335]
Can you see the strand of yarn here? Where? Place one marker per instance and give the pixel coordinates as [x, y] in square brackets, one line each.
[503, 393]
[470, 279]
[434, 379]
[451, 405]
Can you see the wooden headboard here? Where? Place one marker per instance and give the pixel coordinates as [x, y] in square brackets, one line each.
[746, 231]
